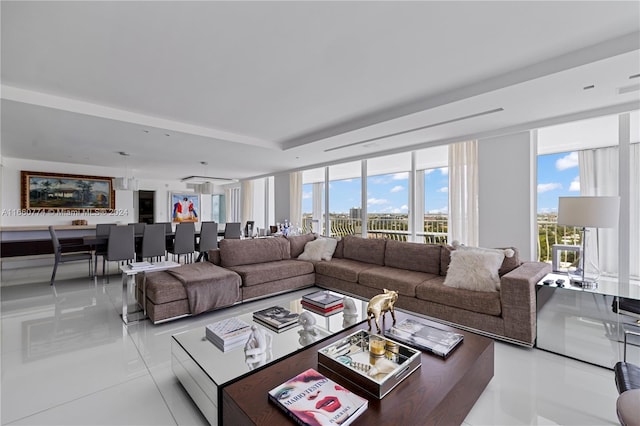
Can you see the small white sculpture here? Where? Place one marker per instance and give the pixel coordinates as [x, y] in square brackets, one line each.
[349, 313]
[308, 332]
[257, 350]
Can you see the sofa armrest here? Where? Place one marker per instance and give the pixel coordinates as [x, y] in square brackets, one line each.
[214, 256]
[518, 296]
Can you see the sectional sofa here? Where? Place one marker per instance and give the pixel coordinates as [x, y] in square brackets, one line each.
[248, 269]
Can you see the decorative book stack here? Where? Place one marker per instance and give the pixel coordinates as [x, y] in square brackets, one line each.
[228, 334]
[423, 336]
[323, 303]
[276, 318]
[312, 399]
[139, 265]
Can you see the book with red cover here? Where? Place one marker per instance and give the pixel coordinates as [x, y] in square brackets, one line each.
[310, 398]
[314, 308]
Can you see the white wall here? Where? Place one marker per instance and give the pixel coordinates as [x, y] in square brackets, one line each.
[506, 175]
[125, 213]
[281, 195]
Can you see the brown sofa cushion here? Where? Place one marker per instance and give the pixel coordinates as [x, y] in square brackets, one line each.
[412, 256]
[297, 242]
[246, 252]
[484, 302]
[342, 269]
[400, 280]
[510, 263]
[369, 250]
[272, 271]
[339, 252]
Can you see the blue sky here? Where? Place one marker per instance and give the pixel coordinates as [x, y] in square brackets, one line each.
[385, 193]
[558, 176]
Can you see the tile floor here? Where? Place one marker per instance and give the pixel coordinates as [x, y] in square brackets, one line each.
[67, 359]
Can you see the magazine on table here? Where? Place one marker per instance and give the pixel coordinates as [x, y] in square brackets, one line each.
[310, 398]
[276, 317]
[422, 336]
[322, 299]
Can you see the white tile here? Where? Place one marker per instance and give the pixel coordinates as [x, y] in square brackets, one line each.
[136, 402]
[181, 406]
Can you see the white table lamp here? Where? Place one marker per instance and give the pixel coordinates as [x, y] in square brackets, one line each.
[588, 212]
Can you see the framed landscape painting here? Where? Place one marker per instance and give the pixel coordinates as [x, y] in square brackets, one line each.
[57, 191]
[185, 207]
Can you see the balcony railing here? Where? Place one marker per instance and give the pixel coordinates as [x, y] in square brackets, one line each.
[393, 228]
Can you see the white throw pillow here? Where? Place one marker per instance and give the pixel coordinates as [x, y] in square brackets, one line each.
[313, 250]
[330, 245]
[475, 269]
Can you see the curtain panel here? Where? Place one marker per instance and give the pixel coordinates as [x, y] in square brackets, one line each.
[463, 193]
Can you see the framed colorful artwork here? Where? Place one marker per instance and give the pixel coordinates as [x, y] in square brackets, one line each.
[58, 191]
[185, 207]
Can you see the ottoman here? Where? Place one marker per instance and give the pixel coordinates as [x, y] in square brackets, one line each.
[187, 290]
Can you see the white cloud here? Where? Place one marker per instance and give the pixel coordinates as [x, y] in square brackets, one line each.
[441, 210]
[397, 188]
[443, 189]
[376, 201]
[401, 176]
[444, 171]
[428, 171]
[575, 184]
[307, 195]
[404, 207]
[567, 162]
[545, 187]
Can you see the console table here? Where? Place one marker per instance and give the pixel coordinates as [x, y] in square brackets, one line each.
[581, 323]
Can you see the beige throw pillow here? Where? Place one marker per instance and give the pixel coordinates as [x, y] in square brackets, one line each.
[474, 269]
[330, 245]
[313, 250]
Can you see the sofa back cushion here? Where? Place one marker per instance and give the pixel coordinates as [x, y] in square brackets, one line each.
[412, 256]
[260, 250]
[297, 243]
[368, 250]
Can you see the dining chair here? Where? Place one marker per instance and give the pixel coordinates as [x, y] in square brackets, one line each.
[208, 240]
[60, 257]
[184, 241]
[138, 229]
[154, 242]
[102, 230]
[121, 245]
[232, 230]
[169, 235]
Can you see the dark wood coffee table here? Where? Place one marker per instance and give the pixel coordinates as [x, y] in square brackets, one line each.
[440, 392]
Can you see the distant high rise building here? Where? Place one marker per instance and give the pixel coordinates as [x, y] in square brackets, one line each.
[355, 212]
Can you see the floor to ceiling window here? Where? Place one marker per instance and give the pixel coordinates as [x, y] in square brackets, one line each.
[388, 194]
[582, 159]
[345, 200]
[313, 201]
[432, 195]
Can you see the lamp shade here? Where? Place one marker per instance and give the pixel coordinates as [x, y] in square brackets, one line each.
[589, 212]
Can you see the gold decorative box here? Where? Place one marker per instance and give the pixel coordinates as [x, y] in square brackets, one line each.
[349, 359]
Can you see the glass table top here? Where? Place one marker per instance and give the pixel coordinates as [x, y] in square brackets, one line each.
[223, 367]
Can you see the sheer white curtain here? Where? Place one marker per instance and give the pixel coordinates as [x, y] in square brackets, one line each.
[634, 214]
[295, 199]
[246, 206]
[599, 176]
[463, 192]
[232, 195]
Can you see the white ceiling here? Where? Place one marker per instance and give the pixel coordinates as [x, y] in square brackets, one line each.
[255, 88]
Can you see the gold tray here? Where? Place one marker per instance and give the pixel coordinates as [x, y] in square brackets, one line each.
[349, 359]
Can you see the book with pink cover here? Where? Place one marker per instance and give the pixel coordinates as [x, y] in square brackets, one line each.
[310, 398]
